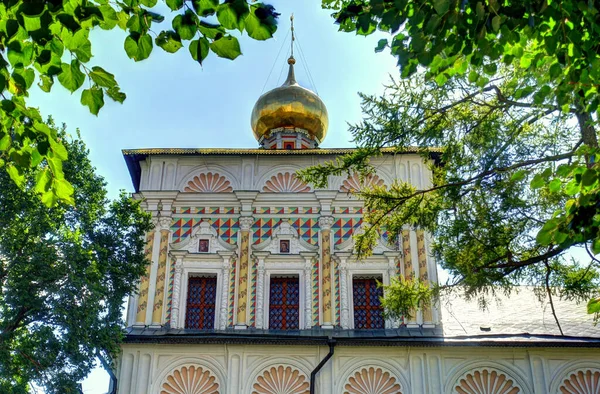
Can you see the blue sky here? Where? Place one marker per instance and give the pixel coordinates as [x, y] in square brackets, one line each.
[173, 102]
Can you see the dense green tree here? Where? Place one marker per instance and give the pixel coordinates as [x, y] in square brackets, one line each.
[36, 35]
[508, 91]
[64, 272]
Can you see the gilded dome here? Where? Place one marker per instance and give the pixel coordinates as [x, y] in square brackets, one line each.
[290, 106]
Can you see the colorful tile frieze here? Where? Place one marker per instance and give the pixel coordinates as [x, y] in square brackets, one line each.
[253, 272]
[205, 210]
[308, 230]
[343, 228]
[262, 229]
[227, 228]
[170, 291]
[286, 210]
[348, 210]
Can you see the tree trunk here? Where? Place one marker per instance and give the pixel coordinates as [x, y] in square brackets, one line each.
[588, 132]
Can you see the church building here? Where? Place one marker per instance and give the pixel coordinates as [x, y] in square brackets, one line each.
[253, 287]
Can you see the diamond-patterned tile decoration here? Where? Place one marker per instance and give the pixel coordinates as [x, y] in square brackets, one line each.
[343, 228]
[308, 229]
[348, 210]
[227, 228]
[204, 210]
[170, 291]
[262, 229]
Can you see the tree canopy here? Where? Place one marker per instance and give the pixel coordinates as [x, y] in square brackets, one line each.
[64, 272]
[508, 91]
[45, 41]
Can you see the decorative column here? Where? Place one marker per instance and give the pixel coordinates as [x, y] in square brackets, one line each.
[325, 223]
[345, 314]
[176, 293]
[142, 304]
[224, 289]
[260, 292]
[408, 268]
[161, 273]
[423, 274]
[308, 291]
[243, 272]
[392, 273]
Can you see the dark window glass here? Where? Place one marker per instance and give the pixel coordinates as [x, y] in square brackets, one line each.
[201, 295]
[368, 313]
[284, 300]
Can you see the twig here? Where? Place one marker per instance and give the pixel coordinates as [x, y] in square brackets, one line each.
[550, 297]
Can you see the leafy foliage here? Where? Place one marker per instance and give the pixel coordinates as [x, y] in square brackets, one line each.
[37, 37]
[509, 91]
[64, 273]
[403, 297]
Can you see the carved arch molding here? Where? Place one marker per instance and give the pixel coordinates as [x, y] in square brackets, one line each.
[208, 182]
[191, 379]
[281, 380]
[372, 380]
[486, 381]
[585, 381]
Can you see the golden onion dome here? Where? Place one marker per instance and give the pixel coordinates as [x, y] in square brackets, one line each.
[290, 106]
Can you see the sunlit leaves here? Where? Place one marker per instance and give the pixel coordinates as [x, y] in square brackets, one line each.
[169, 41]
[93, 98]
[71, 76]
[227, 47]
[138, 47]
[199, 49]
[186, 25]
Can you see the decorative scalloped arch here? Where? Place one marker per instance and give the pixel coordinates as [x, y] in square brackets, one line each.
[351, 368]
[372, 380]
[208, 182]
[285, 182]
[353, 183]
[486, 381]
[232, 177]
[190, 379]
[461, 371]
[281, 380]
[258, 369]
[207, 363]
[582, 381]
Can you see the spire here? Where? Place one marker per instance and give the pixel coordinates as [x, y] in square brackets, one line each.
[291, 78]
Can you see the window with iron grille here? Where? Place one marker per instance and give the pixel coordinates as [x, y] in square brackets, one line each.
[284, 303]
[200, 310]
[368, 313]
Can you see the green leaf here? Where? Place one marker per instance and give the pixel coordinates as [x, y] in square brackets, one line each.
[5, 142]
[518, 175]
[205, 7]
[138, 48]
[596, 246]
[381, 45]
[169, 41]
[257, 28]
[64, 190]
[46, 83]
[589, 177]
[109, 16]
[441, 6]
[210, 30]
[32, 22]
[199, 49]
[227, 47]
[186, 25]
[537, 181]
[174, 5]
[554, 185]
[496, 23]
[43, 181]
[116, 94]
[93, 98]
[227, 16]
[78, 43]
[71, 76]
[593, 306]
[59, 150]
[16, 174]
[103, 78]
[149, 3]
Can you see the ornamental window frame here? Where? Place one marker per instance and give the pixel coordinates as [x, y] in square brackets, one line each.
[191, 269]
[380, 274]
[279, 272]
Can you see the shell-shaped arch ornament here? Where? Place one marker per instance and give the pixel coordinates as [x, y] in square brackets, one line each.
[190, 380]
[372, 381]
[285, 182]
[582, 382]
[354, 183]
[486, 382]
[209, 182]
[281, 380]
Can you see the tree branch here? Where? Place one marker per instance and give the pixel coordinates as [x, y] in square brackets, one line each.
[549, 291]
